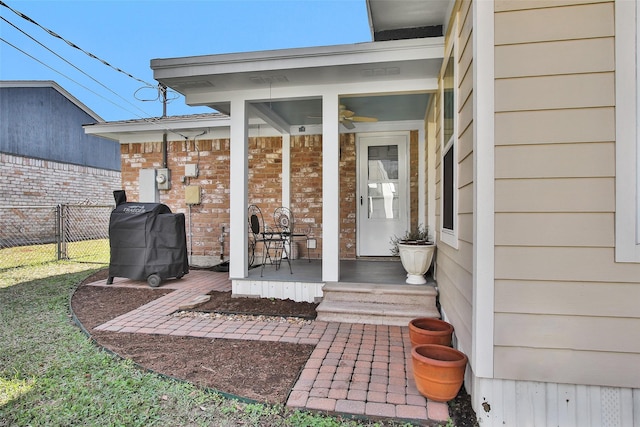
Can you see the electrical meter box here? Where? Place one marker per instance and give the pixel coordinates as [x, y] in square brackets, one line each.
[163, 179]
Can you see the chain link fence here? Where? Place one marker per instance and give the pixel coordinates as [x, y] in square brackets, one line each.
[37, 234]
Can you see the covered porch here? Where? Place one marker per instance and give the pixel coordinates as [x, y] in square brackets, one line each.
[347, 127]
[300, 96]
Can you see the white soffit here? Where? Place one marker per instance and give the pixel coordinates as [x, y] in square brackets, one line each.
[399, 14]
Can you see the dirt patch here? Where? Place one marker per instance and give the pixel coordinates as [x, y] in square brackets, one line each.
[263, 371]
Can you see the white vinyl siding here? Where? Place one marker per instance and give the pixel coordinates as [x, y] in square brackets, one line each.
[455, 247]
[562, 305]
[556, 177]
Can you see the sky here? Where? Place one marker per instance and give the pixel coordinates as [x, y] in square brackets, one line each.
[128, 34]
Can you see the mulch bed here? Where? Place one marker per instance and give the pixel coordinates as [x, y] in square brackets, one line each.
[223, 302]
[262, 371]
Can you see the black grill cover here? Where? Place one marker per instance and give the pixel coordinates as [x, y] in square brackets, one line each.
[145, 239]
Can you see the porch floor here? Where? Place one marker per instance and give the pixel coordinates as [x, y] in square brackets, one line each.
[376, 271]
[355, 369]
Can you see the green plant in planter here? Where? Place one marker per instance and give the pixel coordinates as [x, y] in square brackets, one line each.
[416, 236]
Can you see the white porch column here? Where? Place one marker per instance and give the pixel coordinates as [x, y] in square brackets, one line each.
[482, 332]
[330, 189]
[238, 190]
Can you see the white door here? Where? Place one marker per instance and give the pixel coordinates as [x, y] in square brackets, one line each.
[382, 199]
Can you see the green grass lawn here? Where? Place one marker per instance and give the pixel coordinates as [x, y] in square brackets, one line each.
[51, 374]
[88, 251]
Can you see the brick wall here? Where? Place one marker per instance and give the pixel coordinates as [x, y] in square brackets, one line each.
[27, 182]
[204, 221]
[264, 182]
[265, 175]
[413, 179]
[306, 187]
[348, 190]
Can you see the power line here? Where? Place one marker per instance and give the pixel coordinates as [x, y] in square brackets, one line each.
[73, 45]
[151, 121]
[74, 66]
[59, 72]
[91, 55]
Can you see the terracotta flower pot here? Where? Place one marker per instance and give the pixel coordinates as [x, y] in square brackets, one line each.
[426, 330]
[438, 371]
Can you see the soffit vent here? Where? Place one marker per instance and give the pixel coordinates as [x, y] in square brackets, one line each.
[194, 84]
[261, 80]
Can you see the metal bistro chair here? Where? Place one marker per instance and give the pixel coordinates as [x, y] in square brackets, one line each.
[284, 220]
[274, 244]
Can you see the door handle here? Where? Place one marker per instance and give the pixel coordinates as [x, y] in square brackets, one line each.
[360, 200]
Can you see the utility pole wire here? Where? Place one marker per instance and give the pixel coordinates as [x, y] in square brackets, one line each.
[74, 66]
[73, 45]
[54, 34]
[151, 121]
[56, 71]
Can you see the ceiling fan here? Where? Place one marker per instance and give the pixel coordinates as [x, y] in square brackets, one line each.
[347, 117]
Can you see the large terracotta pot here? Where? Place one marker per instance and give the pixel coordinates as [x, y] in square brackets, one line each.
[438, 371]
[416, 260]
[427, 330]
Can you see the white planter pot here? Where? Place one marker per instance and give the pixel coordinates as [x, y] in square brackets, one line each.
[416, 259]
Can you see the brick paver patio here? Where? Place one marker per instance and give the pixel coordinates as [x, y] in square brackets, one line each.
[355, 369]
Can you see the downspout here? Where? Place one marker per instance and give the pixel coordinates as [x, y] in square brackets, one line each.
[163, 91]
[190, 235]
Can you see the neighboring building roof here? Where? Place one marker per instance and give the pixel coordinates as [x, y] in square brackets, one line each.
[54, 85]
[41, 120]
[152, 128]
[168, 119]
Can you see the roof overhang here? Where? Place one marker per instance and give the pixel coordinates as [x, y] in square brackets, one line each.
[400, 17]
[336, 63]
[325, 65]
[153, 129]
[297, 76]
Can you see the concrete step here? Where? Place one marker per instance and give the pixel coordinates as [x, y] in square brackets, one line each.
[364, 292]
[372, 313]
[376, 304]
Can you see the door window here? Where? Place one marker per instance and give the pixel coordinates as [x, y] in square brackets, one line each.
[382, 185]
